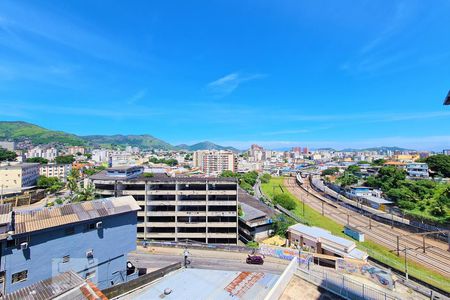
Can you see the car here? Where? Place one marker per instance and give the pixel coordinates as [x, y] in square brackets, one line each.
[255, 260]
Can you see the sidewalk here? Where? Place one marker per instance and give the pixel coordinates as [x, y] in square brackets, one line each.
[204, 253]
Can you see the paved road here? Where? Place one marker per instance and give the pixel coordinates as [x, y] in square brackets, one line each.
[227, 262]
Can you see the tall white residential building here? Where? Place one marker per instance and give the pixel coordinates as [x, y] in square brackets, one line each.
[75, 149]
[100, 155]
[60, 171]
[15, 177]
[215, 161]
[48, 153]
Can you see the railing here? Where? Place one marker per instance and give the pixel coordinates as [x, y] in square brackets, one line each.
[342, 285]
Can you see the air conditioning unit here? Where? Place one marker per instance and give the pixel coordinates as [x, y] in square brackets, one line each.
[99, 225]
[90, 253]
[24, 245]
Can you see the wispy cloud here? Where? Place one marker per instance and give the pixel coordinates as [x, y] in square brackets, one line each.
[228, 83]
[139, 95]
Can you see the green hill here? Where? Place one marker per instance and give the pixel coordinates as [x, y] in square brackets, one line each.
[205, 146]
[144, 141]
[18, 131]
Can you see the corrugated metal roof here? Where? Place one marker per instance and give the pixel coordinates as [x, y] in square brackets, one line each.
[39, 219]
[5, 213]
[49, 288]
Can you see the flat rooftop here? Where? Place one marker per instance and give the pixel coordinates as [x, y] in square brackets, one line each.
[208, 284]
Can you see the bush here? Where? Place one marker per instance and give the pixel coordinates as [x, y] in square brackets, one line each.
[265, 178]
[284, 200]
[253, 244]
[281, 223]
[148, 175]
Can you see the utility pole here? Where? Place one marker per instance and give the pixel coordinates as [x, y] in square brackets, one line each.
[406, 264]
[322, 208]
[1, 195]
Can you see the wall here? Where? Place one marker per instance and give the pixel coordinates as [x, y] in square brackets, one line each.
[43, 258]
[282, 282]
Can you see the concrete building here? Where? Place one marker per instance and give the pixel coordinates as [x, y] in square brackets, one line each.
[101, 155]
[15, 177]
[446, 151]
[75, 149]
[49, 153]
[92, 239]
[321, 241]
[10, 146]
[60, 171]
[176, 208]
[215, 161]
[417, 170]
[255, 223]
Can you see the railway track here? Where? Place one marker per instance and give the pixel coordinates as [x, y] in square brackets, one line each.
[435, 257]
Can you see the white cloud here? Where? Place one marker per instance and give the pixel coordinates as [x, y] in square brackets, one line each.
[228, 83]
[137, 96]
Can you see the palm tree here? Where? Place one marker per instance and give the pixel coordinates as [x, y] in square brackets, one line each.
[85, 194]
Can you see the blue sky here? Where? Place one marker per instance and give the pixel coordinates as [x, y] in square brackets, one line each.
[278, 73]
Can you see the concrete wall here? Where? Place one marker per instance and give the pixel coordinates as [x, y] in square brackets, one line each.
[282, 282]
[43, 258]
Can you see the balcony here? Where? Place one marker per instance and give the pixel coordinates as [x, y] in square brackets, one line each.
[222, 224]
[222, 213]
[215, 202]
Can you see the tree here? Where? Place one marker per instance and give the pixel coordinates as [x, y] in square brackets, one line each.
[347, 179]
[64, 159]
[85, 194]
[52, 184]
[265, 178]
[72, 181]
[440, 164]
[228, 173]
[330, 171]
[284, 200]
[353, 169]
[41, 160]
[378, 162]
[6, 155]
[281, 224]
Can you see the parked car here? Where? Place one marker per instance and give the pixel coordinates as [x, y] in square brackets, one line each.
[255, 260]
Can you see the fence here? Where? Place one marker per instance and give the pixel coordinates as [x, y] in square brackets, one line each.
[198, 245]
[342, 286]
[282, 281]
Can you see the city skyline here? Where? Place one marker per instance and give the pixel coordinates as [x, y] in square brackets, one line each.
[323, 75]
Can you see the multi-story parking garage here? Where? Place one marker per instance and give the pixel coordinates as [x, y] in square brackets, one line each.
[176, 208]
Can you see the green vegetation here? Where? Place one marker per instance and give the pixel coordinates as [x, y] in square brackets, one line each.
[330, 171]
[284, 200]
[383, 254]
[40, 160]
[6, 155]
[424, 199]
[38, 135]
[440, 164]
[64, 159]
[84, 194]
[246, 180]
[144, 141]
[265, 178]
[347, 179]
[378, 162]
[51, 184]
[149, 175]
[240, 211]
[253, 244]
[93, 170]
[281, 223]
[170, 162]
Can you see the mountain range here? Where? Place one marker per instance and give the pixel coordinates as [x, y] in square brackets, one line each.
[20, 131]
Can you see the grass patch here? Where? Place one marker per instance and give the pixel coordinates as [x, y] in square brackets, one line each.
[381, 253]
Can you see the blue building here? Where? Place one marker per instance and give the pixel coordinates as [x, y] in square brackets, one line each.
[91, 238]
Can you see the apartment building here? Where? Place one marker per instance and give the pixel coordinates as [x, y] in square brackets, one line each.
[15, 177]
[176, 208]
[75, 149]
[60, 171]
[49, 153]
[92, 238]
[10, 146]
[215, 161]
[417, 170]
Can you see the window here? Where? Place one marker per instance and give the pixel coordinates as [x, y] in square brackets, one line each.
[69, 231]
[19, 276]
[66, 259]
[90, 274]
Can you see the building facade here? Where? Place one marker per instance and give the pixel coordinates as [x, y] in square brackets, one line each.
[75, 150]
[48, 153]
[15, 177]
[91, 238]
[10, 146]
[417, 170]
[60, 171]
[215, 161]
[176, 208]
